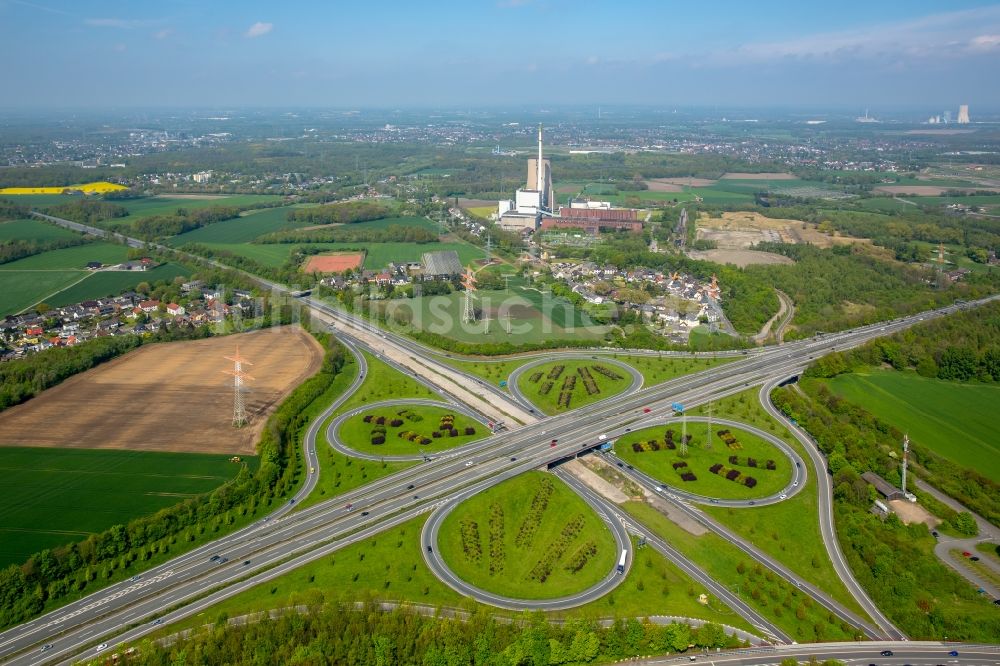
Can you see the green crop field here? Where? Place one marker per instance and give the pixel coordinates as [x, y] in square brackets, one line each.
[428, 424]
[20, 290]
[70, 258]
[561, 385]
[954, 420]
[242, 229]
[165, 205]
[57, 496]
[659, 461]
[44, 200]
[530, 537]
[385, 222]
[36, 230]
[112, 283]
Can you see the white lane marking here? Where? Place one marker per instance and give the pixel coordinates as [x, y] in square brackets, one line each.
[111, 597]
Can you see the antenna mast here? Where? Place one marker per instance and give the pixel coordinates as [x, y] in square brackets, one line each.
[906, 453]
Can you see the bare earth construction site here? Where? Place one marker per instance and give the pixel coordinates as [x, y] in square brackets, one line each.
[168, 397]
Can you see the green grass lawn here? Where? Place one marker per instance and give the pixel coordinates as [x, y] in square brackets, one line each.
[549, 543]
[546, 386]
[422, 420]
[44, 200]
[112, 283]
[381, 254]
[241, 229]
[33, 230]
[774, 598]
[443, 315]
[70, 258]
[492, 371]
[954, 420]
[56, 496]
[789, 530]
[165, 205]
[20, 290]
[656, 370]
[659, 463]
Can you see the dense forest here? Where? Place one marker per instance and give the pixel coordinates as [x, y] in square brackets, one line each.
[397, 233]
[374, 637]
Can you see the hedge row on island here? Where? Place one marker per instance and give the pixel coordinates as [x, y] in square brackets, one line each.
[543, 569]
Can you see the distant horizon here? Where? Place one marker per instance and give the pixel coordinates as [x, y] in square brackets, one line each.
[103, 54]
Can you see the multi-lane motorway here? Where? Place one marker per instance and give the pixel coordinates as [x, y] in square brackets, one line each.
[269, 548]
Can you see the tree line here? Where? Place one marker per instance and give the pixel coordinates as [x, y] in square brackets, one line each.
[53, 576]
[394, 233]
[962, 347]
[14, 249]
[347, 212]
[88, 211]
[374, 637]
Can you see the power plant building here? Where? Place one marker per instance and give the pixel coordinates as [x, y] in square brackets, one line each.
[531, 201]
[963, 115]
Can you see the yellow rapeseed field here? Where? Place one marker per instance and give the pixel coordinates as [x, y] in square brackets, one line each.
[99, 187]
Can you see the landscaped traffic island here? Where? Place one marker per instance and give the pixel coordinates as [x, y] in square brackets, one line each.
[726, 462]
[400, 429]
[530, 537]
[563, 385]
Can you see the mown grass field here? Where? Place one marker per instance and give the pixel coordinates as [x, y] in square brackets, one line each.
[776, 599]
[788, 530]
[955, 420]
[391, 567]
[43, 200]
[496, 542]
[112, 283]
[56, 496]
[545, 392]
[659, 464]
[166, 205]
[33, 230]
[420, 419]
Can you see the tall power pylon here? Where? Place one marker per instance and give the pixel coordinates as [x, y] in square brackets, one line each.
[239, 407]
[469, 282]
[906, 454]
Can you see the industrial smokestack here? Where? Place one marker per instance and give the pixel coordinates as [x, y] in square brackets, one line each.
[539, 180]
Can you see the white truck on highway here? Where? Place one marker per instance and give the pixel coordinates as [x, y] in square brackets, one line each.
[621, 561]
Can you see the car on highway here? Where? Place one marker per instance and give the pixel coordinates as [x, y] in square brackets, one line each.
[157, 621]
[602, 437]
[409, 487]
[470, 463]
[553, 442]
[646, 410]
[953, 653]
[974, 558]
[46, 647]
[513, 458]
[214, 558]
[966, 553]
[102, 646]
[782, 496]
[416, 497]
[246, 562]
[886, 653]
[659, 489]
[429, 549]
[223, 560]
[364, 513]
[312, 470]
[795, 484]
[349, 506]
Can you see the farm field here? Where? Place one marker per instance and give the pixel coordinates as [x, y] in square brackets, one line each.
[167, 205]
[430, 425]
[954, 420]
[44, 200]
[242, 229]
[529, 537]
[661, 461]
[20, 290]
[560, 386]
[32, 229]
[377, 256]
[55, 496]
[96, 187]
[111, 283]
[185, 400]
[70, 258]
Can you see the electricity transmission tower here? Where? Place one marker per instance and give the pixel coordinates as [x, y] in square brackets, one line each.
[239, 406]
[469, 282]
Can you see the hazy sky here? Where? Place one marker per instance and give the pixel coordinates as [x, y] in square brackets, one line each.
[878, 53]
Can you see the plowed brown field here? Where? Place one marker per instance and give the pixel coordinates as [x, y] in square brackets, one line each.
[168, 397]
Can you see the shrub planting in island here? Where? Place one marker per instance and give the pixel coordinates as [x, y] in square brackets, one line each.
[543, 568]
[540, 502]
[398, 430]
[497, 555]
[471, 544]
[583, 382]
